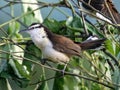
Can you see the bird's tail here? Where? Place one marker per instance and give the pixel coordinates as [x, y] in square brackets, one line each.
[91, 44]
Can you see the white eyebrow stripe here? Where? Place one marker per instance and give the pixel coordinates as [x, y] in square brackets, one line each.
[33, 26]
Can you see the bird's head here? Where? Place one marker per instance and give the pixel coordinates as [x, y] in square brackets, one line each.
[36, 29]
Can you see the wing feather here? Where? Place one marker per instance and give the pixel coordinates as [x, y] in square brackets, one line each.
[65, 45]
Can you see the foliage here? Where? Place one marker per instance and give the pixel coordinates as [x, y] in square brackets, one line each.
[20, 59]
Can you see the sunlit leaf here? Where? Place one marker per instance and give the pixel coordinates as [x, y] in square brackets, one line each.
[66, 82]
[43, 85]
[32, 53]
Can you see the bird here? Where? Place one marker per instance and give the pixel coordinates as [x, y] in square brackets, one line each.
[107, 10]
[58, 48]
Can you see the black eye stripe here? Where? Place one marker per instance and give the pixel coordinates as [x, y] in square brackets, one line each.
[38, 27]
[35, 27]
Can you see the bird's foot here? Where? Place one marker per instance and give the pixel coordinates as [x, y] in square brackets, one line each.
[63, 71]
[43, 61]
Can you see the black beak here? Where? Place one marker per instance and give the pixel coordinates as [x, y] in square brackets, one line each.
[23, 30]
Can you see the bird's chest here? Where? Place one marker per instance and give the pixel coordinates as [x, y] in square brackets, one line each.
[55, 56]
[39, 41]
[48, 51]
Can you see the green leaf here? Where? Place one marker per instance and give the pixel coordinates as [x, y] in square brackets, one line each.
[33, 53]
[4, 84]
[95, 86]
[110, 46]
[116, 78]
[35, 16]
[13, 30]
[29, 18]
[21, 82]
[94, 31]
[20, 75]
[22, 71]
[3, 65]
[43, 85]
[66, 82]
[75, 24]
[54, 25]
[4, 61]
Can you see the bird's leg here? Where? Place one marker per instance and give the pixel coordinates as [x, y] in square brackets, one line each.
[44, 61]
[63, 71]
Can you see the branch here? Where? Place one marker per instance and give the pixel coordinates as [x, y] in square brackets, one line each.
[65, 73]
[111, 56]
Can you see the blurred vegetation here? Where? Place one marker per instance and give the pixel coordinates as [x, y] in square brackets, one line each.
[20, 66]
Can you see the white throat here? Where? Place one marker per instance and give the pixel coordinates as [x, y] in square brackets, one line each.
[39, 37]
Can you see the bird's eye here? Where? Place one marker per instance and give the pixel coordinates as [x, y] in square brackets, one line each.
[33, 28]
[43, 36]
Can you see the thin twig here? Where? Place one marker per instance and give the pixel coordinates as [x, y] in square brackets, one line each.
[97, 68]
[60, 4]
[111, 64]
[5, 6]
[110, 12]
[116, 25]
[66, 73]
[59, 76]
[113, 58]
[83, 19]
[4, 32]
[13, 18]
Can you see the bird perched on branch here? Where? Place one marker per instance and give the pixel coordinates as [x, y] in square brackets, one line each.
[58, 48]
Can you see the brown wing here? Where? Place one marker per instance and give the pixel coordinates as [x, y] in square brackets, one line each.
[65, 45]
